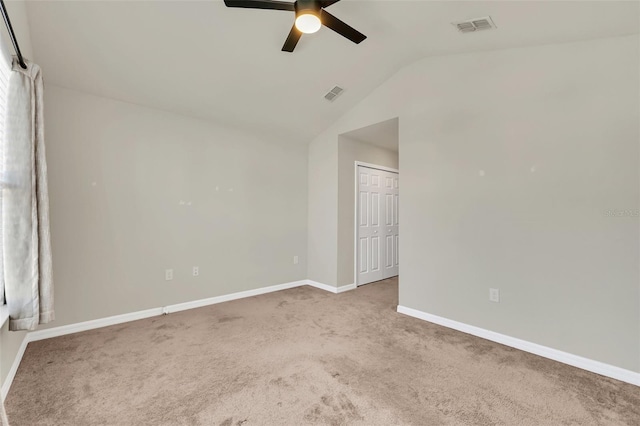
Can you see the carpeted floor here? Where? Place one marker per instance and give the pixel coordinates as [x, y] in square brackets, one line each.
[303, 356]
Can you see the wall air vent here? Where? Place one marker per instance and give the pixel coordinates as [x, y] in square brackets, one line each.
[334, 93]
[477, 24]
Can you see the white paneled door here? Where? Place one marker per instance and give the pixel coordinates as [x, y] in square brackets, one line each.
[377, 225]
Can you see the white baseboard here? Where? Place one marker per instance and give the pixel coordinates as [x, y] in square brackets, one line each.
[133, 316]
[331, 288]
[14, 367]
[347, 287]
[593, 366]
[48, 333]
[233, 296]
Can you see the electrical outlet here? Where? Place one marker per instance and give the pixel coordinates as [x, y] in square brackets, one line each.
[494, 295]
[168, 274]
[295, 260]
[196, 271]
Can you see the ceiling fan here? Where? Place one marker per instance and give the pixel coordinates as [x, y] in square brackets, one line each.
[310, 16]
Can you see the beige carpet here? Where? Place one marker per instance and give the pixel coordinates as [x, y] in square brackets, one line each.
[303, 356]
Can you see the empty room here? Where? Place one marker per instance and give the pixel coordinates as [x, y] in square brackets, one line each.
[342, 212]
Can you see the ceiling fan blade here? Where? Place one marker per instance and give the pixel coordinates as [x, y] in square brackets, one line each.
[292, 39]
[261, 4]
[330, 21]
[327, 3]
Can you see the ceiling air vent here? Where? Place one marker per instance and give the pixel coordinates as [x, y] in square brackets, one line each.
[477, 24]
[333, 93]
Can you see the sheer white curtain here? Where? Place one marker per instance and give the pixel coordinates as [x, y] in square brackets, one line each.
[24, 208]
[5, 72]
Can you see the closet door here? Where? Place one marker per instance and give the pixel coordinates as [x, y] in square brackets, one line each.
[377, 220]
[370, 225]
[390, 228]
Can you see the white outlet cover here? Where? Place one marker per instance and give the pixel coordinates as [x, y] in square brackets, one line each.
[196, 271]
[295, 260]
[494, 294]
[168, 274]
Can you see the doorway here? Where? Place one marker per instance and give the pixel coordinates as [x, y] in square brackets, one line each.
[376, 223]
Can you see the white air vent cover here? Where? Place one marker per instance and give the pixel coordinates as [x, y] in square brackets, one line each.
[333, 93]
[477, 24]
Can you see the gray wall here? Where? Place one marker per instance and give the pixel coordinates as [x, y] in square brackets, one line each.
[322, 221]
[117, 175]
[555, 130]
[350, 151]
[509, 161]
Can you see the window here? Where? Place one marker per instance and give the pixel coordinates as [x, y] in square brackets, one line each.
[27, 278]
[5, 71]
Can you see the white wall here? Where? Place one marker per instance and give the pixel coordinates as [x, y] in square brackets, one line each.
[555, 129]
[350, 151]
[117, 175]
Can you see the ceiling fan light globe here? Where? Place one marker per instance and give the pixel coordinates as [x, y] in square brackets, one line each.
[308, 23]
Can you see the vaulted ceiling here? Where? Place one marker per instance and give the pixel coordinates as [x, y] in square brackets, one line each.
[202, 59]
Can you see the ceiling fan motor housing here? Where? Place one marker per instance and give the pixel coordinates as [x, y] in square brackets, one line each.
[308, 7]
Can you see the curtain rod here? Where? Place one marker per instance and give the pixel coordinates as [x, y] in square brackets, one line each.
[7, 21]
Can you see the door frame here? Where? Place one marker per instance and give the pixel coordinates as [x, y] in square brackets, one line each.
[356, 209]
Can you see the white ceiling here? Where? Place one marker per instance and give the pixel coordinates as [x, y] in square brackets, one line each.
[384, 135]
[205, 60]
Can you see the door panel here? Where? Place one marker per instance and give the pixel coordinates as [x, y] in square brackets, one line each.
[377, 214]
[389, 258]
[375, 209]
[363, 255]
[369, 229]
[396, 245]
[375, 254]
[392, 184]
[364, 208]
[395, 209]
